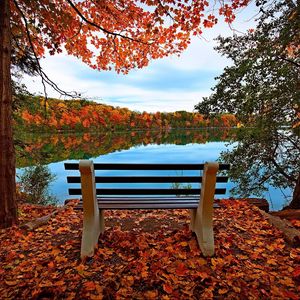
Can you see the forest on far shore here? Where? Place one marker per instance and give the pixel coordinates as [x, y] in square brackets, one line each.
[34, 113]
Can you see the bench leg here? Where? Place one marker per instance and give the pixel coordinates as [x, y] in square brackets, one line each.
[202, 217]
[93, 221]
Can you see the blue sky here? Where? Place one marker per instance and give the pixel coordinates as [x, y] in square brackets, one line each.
[169, 84]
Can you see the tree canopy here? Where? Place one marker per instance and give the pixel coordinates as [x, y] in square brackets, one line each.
[125, 34]
[262, 89]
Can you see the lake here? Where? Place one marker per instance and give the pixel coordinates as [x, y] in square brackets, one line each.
[181, 146]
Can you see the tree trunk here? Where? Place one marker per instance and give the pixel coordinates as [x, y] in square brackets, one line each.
[8, 207]
[295, 204]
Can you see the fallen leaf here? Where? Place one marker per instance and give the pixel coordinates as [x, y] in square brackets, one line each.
[181, 269]
[89, 285]
[167, 288]
[151, 294]
[11, 283]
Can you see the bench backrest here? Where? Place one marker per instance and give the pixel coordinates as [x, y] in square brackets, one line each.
[139, 177]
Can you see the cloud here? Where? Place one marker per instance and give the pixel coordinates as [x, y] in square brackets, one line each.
[160, 88]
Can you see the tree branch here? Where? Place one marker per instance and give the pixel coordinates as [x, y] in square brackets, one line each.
[166, 11]
[289, 61]
[44, 77]
[102, 28]
[281, 170]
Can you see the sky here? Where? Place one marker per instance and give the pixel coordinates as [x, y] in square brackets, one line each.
[166, 85]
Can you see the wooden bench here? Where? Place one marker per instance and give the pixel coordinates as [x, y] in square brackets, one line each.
[167, 194]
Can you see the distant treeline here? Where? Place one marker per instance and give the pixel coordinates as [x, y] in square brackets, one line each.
[35, 114]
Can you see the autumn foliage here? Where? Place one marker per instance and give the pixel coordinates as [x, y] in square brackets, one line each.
[125, 34]
[79, 115]
[149, 255]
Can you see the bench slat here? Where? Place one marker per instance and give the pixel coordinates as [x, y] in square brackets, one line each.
[147, 206]
[118, 191]
[121, 201]
[145, 179]
[121, 166]
[147, 203]
[142, 199]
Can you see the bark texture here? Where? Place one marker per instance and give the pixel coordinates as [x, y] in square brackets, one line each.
[295, 204]
[8, 208]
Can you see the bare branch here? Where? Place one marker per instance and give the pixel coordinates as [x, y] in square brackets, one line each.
[44, 77]
[289, 61]
[281, 170]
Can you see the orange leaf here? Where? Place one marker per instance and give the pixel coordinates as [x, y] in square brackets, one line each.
[128, 281]
[144, 274]
[59, 283]
[167, 288]
[222, 291]
[89, 285]
[11, 283]
[151, 294]
[272, 261]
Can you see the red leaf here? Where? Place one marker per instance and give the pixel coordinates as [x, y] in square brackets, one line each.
[291, 295]
[296, 272]
[181, 269]
[89, 285]
[167, 288]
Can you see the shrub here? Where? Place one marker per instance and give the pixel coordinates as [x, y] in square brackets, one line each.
[34, 183]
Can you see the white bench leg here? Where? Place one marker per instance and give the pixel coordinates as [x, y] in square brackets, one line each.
[202, 217]
[93, 221]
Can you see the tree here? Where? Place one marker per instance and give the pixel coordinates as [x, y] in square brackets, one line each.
[34, 182]
[124, 34]
[8, 212]
[262, 89]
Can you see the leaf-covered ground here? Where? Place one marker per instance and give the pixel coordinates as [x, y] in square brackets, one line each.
[150, 255]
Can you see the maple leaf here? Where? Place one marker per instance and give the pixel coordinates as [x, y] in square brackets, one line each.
[128, 280]
[51, 265]
[151, 294]
[272, 261]
[296, 272]
[222, 291]
[59, 283]
[181, 269]
[295, 223]
[167, 288]
[89, 285]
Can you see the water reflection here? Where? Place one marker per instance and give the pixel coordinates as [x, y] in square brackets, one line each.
[49, 148]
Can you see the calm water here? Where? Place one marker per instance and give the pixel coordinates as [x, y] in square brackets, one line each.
[128, 147]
